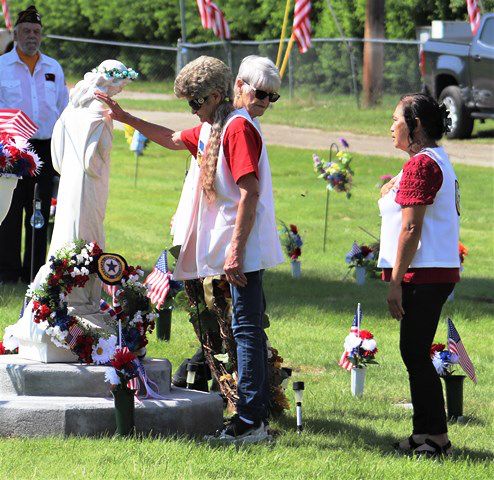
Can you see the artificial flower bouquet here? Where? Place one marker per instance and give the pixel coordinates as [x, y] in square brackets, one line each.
[337, 174]
[361, 348]
[123, 369]
[291, 241]
[363, 256]
[443, 360]
[17, 158]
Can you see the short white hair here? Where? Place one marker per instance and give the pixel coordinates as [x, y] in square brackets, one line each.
[260, 72]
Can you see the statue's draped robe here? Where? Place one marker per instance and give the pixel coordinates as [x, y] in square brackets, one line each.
[81, 145]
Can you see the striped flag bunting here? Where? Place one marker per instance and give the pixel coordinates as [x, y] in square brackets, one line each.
[301, 24]
[474, 14]
[104, 307]
[357, 318]
[455, 345]
[74, 333]
[213, 18]
[158, 281]
[6, 15]
[16, 123]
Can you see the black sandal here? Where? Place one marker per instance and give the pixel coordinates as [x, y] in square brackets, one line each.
[413, 445]
[438, 450]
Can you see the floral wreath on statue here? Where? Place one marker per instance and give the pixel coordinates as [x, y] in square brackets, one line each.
[131, 312]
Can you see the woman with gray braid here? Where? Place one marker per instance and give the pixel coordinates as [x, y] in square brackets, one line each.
[226, 209]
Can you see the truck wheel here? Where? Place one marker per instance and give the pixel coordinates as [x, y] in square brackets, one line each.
[461, 121]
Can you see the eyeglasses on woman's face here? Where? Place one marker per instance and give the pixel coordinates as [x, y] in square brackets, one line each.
[197, 103]
[261, 94]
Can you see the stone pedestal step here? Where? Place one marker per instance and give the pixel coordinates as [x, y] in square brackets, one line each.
[19, 376]
[183, 412]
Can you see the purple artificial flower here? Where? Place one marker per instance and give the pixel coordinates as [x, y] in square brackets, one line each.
[344, 142]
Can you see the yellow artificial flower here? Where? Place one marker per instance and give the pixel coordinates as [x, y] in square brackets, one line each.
[129, 133]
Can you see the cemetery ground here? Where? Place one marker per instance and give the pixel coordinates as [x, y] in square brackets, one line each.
[344, 438]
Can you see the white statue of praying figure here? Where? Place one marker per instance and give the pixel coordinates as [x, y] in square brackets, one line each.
[80, 148]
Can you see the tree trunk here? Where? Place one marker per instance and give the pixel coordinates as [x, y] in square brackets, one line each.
[373, 53]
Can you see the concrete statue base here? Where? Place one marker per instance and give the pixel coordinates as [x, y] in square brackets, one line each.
[39, 399]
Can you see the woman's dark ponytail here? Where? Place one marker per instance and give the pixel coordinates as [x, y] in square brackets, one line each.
[433, 117]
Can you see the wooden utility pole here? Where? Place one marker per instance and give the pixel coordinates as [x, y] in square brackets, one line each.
[373, 52]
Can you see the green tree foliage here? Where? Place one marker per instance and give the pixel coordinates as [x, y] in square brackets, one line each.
[151, 21]
[158, 22]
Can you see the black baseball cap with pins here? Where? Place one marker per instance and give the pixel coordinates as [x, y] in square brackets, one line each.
[30, 15]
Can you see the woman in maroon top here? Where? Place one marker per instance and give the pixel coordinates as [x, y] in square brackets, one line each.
[419, 256]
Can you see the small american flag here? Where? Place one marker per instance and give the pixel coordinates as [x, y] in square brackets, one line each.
[355, 250]
[213, 18]
[133, 384]
[6, 15]
[455, 345]
[158, 281]
[74, 333]
[474, 15]
[344, 362]
[16, 123]
[301, 24]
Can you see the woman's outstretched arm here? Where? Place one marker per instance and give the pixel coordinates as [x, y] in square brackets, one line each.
[161, 135]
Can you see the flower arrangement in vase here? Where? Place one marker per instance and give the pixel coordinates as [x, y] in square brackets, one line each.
[292, 243]
[363, 258]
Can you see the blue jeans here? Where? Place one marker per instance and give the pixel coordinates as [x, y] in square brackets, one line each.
[247, 324]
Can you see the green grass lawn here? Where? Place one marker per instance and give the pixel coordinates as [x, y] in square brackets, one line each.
[344, 438]
[323, 111]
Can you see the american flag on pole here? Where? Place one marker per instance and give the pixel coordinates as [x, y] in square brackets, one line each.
[158, 281]
[474, 15]
[455, 345]
[355, 250]
[301, 24]
[213, 18]
[344, 362]
[15, 123]
[133, 384]
[6, 15]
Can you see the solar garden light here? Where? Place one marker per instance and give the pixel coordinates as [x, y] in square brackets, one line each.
[298, 388]
[191, 374]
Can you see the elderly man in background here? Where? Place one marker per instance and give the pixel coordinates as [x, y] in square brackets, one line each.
[35, 84]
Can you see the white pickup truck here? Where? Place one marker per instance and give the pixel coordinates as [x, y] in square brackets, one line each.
[6, 41]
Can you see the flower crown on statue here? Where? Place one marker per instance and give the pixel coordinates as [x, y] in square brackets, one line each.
[127, 73]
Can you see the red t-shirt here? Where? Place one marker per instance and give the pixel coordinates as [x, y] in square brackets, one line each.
[242, 146]
[421, 180]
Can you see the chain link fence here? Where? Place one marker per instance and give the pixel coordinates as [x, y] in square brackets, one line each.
[325, 69]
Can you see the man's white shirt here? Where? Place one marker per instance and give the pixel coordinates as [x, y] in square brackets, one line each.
[42, 96]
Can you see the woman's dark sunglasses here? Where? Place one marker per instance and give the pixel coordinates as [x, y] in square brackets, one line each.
[197, 103]
[261, 94]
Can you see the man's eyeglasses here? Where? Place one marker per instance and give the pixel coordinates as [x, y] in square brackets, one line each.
[197, 103]
[261, 94]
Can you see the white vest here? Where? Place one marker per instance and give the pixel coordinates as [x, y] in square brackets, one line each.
[438, 245]
[205, 229]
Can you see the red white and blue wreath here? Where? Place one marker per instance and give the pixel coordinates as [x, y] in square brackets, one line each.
[131, 311]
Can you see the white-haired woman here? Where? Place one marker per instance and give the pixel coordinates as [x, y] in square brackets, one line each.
[225, 221]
